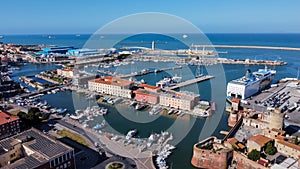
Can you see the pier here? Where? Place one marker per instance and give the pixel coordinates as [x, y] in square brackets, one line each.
[191, 81]
[147, 71]
[245, 47]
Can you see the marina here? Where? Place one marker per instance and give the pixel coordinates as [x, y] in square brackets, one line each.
[143, 72]
[122, 122]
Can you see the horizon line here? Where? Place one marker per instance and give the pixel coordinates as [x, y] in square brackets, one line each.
[12, 34]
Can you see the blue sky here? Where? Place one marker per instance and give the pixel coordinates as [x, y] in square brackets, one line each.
[211, 16]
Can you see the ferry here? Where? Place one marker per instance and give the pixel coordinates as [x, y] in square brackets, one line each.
[250, 84]
[131, 133]
[169, 81]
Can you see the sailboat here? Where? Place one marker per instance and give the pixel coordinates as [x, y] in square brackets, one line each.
[199, 70]
[298, 73]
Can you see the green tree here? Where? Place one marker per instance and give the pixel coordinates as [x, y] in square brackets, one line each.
[296, 140]
[254, 155]
[32, 117]
[270, 149]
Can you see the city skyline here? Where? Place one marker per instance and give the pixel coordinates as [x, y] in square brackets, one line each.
[71, 17]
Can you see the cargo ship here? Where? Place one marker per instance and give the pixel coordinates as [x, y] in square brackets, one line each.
[250, 84]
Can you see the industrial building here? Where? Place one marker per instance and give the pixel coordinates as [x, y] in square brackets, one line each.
[33, 149]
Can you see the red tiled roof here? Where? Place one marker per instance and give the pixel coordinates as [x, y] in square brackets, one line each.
[148, 86]
[109, 80]
[236, 100]
[5, 118]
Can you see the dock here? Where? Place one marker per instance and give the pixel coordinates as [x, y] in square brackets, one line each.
[246, 47]
[138, 73]
[191, 81]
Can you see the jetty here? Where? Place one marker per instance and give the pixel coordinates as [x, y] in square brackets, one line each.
[143, 72]
[191, 81]
[245, 47]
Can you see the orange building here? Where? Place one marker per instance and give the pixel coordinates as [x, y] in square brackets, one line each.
[112, 86]
[144, 95]
[150, 88]
[258, 142]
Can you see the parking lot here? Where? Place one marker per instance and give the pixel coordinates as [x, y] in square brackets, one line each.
[285, 96]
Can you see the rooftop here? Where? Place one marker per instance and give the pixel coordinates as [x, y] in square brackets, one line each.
[288, 144]
[6, 118]
[145, 92]
[180, 95]
[109, 80]
[260, 139]
[148, 86]
[43, 147]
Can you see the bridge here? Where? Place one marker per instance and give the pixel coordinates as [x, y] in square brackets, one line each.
[38, 91]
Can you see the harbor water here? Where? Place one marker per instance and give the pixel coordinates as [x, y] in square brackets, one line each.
[189, 129]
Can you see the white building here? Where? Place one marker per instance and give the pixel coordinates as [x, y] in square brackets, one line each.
[112, 86]
[65, 72]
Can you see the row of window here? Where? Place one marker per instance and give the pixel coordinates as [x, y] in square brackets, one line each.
[61, 159]
[65, 165]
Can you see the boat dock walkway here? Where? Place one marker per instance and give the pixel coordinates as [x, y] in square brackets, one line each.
[150, 71]
[138, 73]
[191, 81]
[245, 47]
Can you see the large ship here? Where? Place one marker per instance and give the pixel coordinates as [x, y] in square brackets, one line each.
[250, 84]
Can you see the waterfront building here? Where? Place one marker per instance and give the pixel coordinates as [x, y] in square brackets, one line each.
[83, 52]
[258, 142]
[210, 153]
[112, 86]
[179, 100]
[272, 119]
[56, 50]
[146, 96]
[233, 118]
[149, 88]
[33, 149]
[235, 104]
[81, 79]
[9, 125]
[69, 73]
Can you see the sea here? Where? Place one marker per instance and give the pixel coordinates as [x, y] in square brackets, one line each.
[188, 130]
